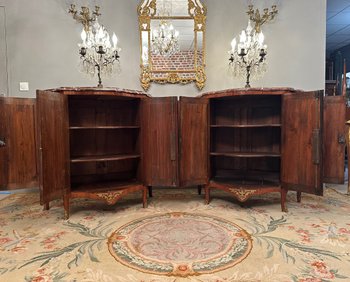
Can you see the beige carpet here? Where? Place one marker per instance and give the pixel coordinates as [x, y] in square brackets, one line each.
[177, 238]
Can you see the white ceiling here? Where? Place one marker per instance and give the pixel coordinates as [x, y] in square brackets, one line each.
[338, 24]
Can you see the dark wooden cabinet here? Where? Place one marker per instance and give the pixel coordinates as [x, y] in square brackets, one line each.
[175, 141]
[18, 154]
[105, 143]
[90, 145]
[264, 141]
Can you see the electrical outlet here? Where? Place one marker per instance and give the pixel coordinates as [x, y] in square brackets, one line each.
[23, 86]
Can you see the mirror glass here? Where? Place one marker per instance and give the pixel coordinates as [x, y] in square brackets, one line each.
[172, 37]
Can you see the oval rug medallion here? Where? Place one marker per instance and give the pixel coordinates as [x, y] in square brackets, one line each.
[180, 244]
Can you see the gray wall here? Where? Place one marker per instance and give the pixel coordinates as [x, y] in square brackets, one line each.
[42, 43]
[3, 64]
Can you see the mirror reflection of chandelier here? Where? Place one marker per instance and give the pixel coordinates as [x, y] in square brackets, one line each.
[248, 57]
[164, 39]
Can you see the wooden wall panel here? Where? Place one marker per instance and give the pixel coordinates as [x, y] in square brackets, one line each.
[334, 139]
[19, 119]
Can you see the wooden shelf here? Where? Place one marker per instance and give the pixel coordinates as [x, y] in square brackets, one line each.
[104, 158]
[105, 186]
[246, 154]
[244, 125]
[246, 184]
[106, 127]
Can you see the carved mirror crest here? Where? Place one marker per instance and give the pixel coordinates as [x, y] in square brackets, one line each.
[172, 39]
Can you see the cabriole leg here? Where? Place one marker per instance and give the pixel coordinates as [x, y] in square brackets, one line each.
[207, 194]
[150, 191]
[144, 197]
[199, 188]
[283, 199]
[298, 197]
[66, 206]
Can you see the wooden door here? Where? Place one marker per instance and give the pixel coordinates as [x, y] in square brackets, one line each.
[193, 145]
[53, 135]
[160, 141]
[301, 142]
[333, 139]
[18, 154]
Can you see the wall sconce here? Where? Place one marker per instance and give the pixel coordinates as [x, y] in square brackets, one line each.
[259, 20]
[248, 57]
[84, 16]
[97, 52]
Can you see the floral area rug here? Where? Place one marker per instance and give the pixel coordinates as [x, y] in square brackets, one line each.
[177, 238]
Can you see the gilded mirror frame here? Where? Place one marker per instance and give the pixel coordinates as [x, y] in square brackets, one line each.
[196, 12]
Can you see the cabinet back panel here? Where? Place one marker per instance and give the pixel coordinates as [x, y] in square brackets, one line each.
[103, 111]
[264, 140]
[250, 109]
[90, 172]
[231, 163]
[96, 142]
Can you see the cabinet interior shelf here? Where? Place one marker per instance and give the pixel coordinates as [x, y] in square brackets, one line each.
[247, 184]
[245, 125]
[104, 158]
[106, 127]
[105, 186]
[246, 154]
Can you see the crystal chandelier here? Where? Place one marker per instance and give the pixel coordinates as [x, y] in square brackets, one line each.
[99, 53]
[164, 40]
[248, 57]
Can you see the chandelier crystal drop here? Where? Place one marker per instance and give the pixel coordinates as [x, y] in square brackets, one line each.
[248, 57]
[99, 53]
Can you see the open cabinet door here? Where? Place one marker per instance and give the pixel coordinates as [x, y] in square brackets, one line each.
[334, 139]
[301, 142]
[18, 159]
[54, 145]
[159, 141]
[193, 145]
